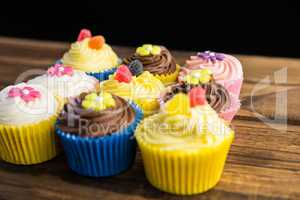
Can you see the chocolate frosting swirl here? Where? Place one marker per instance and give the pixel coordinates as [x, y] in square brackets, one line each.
[163, 63]
[216, 95]
[76, 120]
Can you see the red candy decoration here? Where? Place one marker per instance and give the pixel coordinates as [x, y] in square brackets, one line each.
[84, 33]
[197, 96]
[123, 74]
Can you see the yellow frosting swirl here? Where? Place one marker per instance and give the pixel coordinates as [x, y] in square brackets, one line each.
[144, 90]
[122, 89]
[202, 128]
[82, 57]
[145, 86]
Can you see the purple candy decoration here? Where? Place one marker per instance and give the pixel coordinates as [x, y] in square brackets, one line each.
[211, 56]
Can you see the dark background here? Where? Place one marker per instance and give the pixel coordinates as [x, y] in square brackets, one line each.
[246, 27]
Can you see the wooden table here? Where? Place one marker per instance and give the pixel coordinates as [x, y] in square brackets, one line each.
[264, 161]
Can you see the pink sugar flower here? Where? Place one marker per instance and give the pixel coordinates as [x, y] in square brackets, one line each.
[60, 70]
[26, 93]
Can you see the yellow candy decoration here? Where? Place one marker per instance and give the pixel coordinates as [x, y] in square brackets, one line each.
[98, 102]
[155, 50]
[148, 49]
[201, 76]
[142, 51]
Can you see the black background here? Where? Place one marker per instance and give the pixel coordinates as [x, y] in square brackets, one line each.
[247, 27]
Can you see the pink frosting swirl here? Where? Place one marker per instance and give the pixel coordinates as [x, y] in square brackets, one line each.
[227, 69]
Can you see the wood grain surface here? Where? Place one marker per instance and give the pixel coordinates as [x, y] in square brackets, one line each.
[263, 163]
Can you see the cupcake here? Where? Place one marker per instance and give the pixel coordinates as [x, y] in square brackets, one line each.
[158, 61]
[226, 69]
[92, 55]
[96, 131]
[133, 83]
[65, 82]
[27, 119]
[184, 147]
[217, 96]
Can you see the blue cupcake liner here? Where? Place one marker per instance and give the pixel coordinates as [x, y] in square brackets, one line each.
[100, 76]
[102, 156]
[104, 75]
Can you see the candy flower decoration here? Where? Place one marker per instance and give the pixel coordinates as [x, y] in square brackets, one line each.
[60, 70]
[200, 76]
[27, 94]
[148, 50]
[211, 56]
[98, 102]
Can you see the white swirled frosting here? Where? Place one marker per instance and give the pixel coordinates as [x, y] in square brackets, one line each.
[67, 86]
[15, 111]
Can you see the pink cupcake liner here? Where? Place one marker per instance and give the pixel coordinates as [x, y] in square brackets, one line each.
[233, 109]
[233, 86]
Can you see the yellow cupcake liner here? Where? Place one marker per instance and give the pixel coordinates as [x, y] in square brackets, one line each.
[167, 79]
[31, 143]
[184, 172]
[28, 144]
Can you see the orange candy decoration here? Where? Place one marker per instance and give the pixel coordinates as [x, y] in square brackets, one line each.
[96, 42]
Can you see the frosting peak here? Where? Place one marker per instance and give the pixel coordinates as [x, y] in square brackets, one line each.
[82, 57]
